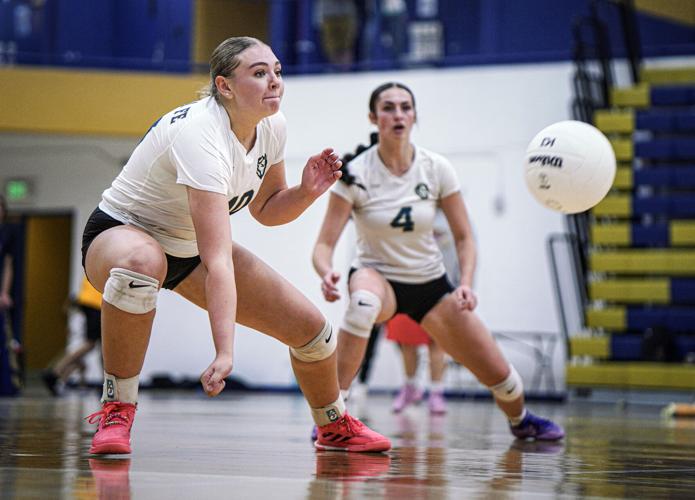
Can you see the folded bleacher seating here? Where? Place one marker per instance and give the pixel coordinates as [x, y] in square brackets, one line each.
[641, 258]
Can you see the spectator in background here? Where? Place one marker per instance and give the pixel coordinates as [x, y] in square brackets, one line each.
[6, 246]
[88, 302]
[338, 26]
[10, 348]
[410, 336]
[384, 33]
[394, 28]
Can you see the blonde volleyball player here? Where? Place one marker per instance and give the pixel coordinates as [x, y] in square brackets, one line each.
[392, 192]
[165, 222]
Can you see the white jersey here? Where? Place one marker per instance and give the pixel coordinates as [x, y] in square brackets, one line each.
[394, 215]
[447, 245]
[192, 145]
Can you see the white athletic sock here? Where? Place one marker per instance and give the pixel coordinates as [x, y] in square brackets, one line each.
[124, 390]
[329, 413]
[345, 393]
[411, 381]
[517, 420]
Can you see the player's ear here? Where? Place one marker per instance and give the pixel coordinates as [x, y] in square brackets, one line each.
[223, 87]
[372, 117]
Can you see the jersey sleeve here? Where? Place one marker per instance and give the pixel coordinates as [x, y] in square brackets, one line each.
[448, 180]
[344, 191]
[198, 160]
[278, 126]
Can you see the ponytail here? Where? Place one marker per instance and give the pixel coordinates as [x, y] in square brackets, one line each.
[347, 177]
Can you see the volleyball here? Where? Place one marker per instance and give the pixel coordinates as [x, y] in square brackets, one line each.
[569, 166]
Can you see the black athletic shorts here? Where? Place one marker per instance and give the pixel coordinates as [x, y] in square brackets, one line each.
[177, 267]
[416, 300]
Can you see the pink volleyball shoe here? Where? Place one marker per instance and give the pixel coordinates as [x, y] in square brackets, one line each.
[349, 434]
[408, 395]
[113, 432]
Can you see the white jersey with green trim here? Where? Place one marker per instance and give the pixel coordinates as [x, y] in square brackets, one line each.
[394, 215]
[193, 145]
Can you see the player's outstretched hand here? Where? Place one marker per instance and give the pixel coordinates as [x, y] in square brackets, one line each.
[320, 172]
[213, 377]
[466, 297]
[328, 286]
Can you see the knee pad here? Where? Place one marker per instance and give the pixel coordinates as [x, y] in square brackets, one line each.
[510, 388]
[130, 291]
[322, 346]
[361, 313]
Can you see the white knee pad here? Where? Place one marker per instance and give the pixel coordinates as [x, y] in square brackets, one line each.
[130, 291]
[322, 346]
[510, 388]
[361, 313]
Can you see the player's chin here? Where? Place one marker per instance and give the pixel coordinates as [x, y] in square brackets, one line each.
[272, 104]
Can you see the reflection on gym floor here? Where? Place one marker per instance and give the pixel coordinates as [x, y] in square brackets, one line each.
[248, 445]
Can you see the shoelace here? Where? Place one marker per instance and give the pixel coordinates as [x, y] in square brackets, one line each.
[110, 415]
[353, 425]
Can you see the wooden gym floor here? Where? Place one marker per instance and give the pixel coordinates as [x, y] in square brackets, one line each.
[256, 445]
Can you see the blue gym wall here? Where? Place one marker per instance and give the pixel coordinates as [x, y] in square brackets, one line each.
[134, 34]
[157, 34]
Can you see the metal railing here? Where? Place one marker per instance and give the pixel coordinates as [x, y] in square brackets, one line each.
[592, 82]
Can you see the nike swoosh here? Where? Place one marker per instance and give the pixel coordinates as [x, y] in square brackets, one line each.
[329, 337]
[133, 285]
[360, 303]
[511, 390]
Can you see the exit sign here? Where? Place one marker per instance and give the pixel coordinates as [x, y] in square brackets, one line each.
[18, 190]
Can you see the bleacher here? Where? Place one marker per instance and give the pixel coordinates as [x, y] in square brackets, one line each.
[640, 315]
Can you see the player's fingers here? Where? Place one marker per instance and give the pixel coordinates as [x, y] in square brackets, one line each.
[330, 159]
[216, 376]
[214, 389]
[334, 161]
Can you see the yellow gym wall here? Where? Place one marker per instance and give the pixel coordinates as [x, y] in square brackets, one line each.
[681, 11]
[216, 20]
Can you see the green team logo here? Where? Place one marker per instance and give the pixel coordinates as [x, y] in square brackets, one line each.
[422, 190]
[261, 166]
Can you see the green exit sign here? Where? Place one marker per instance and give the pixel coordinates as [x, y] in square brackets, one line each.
[17, 190]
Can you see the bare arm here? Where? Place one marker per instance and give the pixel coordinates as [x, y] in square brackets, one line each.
[277, 204]
[210, 214]
[7, 277]
[455, 210]
[337, 215]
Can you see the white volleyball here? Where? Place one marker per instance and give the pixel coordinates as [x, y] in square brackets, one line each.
[569, 166]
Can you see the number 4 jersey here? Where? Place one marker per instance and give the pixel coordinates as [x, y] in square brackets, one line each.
[193, 145]
[394, 215]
